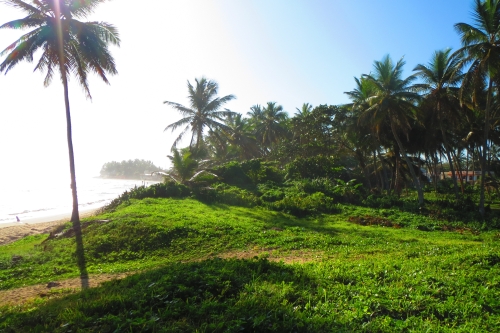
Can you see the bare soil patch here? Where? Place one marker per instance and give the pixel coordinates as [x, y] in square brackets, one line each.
[54, 289]
[11, 234]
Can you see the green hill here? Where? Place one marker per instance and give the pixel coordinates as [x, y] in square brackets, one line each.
[217, 268]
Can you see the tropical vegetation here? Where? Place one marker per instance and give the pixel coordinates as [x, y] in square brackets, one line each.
[362, 217]
[399, 133]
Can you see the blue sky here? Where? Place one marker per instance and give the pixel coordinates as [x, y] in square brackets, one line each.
[288, 51]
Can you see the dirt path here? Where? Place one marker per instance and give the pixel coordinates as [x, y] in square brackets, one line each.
[62, 288]
[54, 289]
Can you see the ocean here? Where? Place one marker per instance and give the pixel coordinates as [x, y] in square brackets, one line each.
[48, 196]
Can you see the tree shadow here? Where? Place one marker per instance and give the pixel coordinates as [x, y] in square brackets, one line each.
[76, 232]
[213, 295]
[80, 256]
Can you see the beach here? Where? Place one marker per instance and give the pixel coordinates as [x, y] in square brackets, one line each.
[10, 232]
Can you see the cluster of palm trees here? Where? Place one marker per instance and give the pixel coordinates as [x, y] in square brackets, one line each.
[455, 105]
[445, 108]
[224, 135]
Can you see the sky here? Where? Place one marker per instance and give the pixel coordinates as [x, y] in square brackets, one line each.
[287, 51]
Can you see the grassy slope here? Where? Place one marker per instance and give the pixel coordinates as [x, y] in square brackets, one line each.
[356, 278]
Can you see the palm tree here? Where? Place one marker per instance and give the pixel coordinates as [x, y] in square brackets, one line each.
[393, 101]
[271, 126]
[358, 133]
[240, 136]
[304, 110]
[441, 77]
[203, 112]
[70, 46]
[183, 164]
[361, 95]
[67, 45]
[481, 52]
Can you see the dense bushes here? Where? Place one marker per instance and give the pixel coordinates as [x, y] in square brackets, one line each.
[226, 194]
[315, 167]
[249, 173]
[302, 204]
[256, 183]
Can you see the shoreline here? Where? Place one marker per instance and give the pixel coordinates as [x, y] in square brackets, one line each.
[50, 218]
[11, 232]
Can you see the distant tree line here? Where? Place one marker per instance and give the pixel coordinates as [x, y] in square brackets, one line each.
[131, 169]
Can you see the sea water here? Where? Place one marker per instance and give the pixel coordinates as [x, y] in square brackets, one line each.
[32, 198]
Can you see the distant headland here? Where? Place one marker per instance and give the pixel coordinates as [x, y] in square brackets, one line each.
[131, 169]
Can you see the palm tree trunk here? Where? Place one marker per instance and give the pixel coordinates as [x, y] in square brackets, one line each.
[362, 164]
[485, 145]
[436, 175]
[467, 165]
[376, 173]
[459, 172]
[410, 166]
[450, 160]
[75, 217]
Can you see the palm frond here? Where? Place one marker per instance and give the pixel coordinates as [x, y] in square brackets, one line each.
[83, 8]
[27, 22]
[18, 4]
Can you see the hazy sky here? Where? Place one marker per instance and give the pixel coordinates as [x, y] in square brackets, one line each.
[288, 51]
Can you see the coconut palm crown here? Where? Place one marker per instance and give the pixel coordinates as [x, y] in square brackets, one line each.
[204, 112]
[55, 22]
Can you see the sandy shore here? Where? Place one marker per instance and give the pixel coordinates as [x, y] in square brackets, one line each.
[10, 232]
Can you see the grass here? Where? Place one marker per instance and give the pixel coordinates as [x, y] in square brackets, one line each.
[316, 274]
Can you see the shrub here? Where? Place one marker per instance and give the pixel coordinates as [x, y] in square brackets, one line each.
[270, 192]
[315, 167]
[249, 173]
[232, 195]
[382, 201]
[232, 173]
[302, 204]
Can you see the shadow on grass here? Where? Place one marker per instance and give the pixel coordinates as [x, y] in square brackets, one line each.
[273, 218]
[214, 295]
[80, 256]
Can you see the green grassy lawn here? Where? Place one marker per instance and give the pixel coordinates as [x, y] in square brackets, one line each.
[317, 274]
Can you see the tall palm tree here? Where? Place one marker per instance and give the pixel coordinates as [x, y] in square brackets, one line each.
[256, 115]
[303, 111]
[240, 136]
[361, 95]
[361, 134]
[272, 125]
[481, 52]
[67, 45]
[393, 101]
[204, 112]
[441, 78]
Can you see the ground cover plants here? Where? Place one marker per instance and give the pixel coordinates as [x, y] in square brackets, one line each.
[219, 268]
